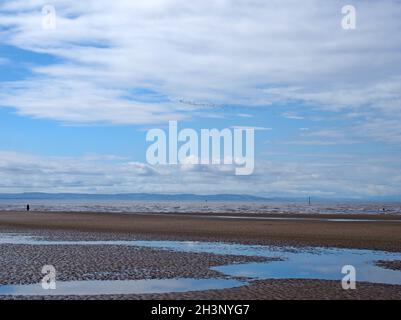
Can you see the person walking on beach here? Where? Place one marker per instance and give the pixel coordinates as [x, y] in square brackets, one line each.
[27, 207]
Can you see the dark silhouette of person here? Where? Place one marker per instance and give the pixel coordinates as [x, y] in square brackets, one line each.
[27, 207]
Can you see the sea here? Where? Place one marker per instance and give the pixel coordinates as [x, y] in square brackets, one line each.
[209, 207]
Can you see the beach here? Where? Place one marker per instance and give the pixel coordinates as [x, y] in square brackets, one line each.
[362, 231]
[22, 258]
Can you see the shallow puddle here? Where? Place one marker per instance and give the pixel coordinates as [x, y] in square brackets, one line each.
[296, 219]
[117, 287]
[325, 265]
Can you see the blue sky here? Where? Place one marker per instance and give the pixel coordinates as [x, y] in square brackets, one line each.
[76, 101]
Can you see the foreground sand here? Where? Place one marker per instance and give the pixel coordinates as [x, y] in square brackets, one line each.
[20, 263]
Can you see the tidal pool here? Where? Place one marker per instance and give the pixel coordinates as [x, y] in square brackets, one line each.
[117, 287]
[289, 263]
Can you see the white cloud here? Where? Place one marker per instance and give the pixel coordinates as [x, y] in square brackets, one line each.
[250, 53]
[252, 128]
[333, 176]
[80, 101]
[292, 115]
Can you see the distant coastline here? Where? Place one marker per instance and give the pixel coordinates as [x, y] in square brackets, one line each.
[184, 197]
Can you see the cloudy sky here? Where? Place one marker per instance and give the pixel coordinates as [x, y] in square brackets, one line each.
[76, 101]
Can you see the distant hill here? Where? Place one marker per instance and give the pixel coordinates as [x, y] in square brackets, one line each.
[129, 196]
[183, 197]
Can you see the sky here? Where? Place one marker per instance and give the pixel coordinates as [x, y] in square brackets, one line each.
[77, 100]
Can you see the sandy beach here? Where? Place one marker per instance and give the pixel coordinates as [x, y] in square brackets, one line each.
[381, 233]
[21, 263]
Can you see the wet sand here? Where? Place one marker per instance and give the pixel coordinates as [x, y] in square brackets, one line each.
[391, 265]
[380, 235]
[20, 263]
